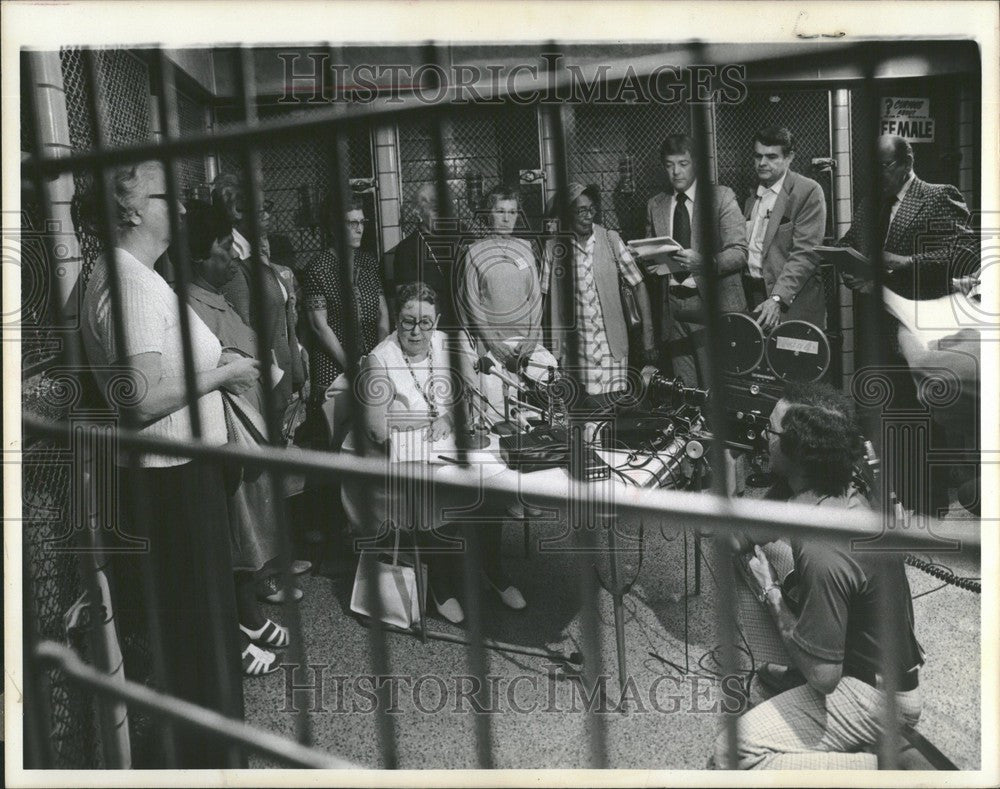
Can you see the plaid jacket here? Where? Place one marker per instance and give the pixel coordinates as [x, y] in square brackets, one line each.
[932, 225]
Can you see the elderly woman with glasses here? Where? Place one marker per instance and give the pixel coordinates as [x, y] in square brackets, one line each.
[174, 504]
[407, 391]
[327, 308]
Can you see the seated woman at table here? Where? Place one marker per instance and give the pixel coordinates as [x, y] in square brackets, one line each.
[405, 392]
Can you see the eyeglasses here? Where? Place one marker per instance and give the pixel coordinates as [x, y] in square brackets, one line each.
[886, 166]
[770, 431]
[356, 224]
[425, 324]
[585, 210]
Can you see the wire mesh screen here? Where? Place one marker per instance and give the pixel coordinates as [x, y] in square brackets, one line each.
[296, 180]
[484, 147]
[617, 148]
[805, 112]
[190, 120]
[125, 87]
[54, 580]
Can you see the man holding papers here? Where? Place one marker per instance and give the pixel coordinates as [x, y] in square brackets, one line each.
[683, 281]
[923, 228]
[785, 222]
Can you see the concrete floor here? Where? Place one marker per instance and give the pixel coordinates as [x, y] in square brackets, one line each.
[675, 713]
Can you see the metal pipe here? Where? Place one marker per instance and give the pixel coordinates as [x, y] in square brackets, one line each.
[761, 519]
[207, 721]
[319, 120]
[339, 206]
[715, 412]
[264, 310]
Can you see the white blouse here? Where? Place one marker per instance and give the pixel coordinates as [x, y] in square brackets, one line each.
[151, 322]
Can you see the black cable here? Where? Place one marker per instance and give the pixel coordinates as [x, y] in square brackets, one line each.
[943, 573]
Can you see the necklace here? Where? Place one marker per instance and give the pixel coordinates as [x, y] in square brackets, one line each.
[428, 395]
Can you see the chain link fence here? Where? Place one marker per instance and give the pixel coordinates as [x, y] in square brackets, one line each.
[296, 180]
[483, 148]
[617, 148]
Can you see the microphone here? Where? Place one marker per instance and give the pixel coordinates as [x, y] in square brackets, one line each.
[487, 366]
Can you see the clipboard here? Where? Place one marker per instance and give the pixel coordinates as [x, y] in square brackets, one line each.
[657, 255]
[847, 260]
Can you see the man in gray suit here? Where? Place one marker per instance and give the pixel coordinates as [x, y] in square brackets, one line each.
[675, 215]
[786, 220]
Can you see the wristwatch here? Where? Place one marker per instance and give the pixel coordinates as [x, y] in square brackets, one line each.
[777, 299]
[762, 597]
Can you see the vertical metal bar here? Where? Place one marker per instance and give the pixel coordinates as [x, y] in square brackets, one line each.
[250, 158]
[564, 278]
[473, 545]
[73, 360]
[167, 103]
[890, 617]
[704, 203]
[340, 200]
[92, 538]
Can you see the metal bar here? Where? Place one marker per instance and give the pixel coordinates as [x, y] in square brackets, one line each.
[715, 411]
[114, 757]
[339, 206]
[264, 310]
[890, 629]
[208, 721]
[760, 518]
[472, 556]
[523, 86]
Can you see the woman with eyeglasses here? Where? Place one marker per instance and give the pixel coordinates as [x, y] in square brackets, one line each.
[175, 504]
[327, 309]
[406, 392]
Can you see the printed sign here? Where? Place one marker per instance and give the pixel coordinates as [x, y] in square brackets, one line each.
[907, 117]
[797, 345]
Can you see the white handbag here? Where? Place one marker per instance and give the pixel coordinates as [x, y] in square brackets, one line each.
[394, 582]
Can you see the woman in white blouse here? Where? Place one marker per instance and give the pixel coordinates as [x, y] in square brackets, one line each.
[175, 503]
[406, 394]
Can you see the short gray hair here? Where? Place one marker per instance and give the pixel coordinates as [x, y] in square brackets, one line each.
[128, 188]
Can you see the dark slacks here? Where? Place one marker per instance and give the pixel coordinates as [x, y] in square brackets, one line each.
[181, 511]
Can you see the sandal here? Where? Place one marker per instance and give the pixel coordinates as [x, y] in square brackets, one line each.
[271, 592]
[270, 635]
[258, 662]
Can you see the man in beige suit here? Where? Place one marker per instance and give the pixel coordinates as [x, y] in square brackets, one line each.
[675, 214]
[785, 222]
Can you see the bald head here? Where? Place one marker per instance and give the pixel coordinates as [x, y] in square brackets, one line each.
[895, 157]
[426, 205]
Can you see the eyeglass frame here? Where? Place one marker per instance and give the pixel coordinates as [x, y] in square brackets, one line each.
[409, 324]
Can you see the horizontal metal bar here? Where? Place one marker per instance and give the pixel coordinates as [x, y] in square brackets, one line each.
[281, 748]
[758, 518]
[524, 87]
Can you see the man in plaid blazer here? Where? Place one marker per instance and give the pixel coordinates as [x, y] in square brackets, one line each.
[927, 243]
[925, 228]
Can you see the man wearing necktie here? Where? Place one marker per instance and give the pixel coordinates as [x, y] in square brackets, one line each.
[924, 229]
[785, 222]
[926, 242]
[682, 322]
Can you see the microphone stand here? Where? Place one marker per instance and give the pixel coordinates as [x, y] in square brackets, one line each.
[506, 427]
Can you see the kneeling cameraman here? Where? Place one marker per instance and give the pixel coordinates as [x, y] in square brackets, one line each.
[827, 610]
